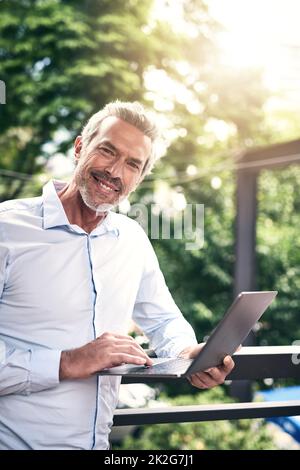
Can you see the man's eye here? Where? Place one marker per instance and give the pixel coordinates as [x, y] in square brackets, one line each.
[106, 151]
[134, 165]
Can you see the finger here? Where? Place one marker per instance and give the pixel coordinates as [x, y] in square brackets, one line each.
[110, 335]
[213, 376]
[123, 358]
[134, 349]
[219, 373]
[149, 361]
[203, 379]
[122, 340]
[129, 340]
[216, 374]
[132, 341]
[228, 364]
[197, 382]
[125, 339]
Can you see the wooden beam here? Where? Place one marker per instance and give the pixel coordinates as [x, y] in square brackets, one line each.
[273, 156]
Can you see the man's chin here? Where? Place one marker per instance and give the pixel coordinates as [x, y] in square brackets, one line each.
[102, 208]
[95, 206]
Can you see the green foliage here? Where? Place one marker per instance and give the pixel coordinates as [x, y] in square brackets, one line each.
[62, 61]
[221, 435]
[278, 253]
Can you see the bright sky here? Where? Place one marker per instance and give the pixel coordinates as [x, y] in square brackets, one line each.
[258, 33]
[263, 33]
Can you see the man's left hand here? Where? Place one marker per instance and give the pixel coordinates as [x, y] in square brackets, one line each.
[211, 377]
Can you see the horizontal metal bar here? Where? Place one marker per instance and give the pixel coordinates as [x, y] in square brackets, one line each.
[260, 362]
[254, 362]
[184, 414]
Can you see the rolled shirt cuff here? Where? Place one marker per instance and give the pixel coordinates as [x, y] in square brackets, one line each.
[44, 369]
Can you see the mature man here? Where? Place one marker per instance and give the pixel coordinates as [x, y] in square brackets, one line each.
[72, 275]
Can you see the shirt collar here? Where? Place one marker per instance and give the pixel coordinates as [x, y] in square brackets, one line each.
[54, 214]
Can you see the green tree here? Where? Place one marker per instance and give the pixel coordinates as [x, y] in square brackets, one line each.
[226, 435]
[62, 61]
[278, 253]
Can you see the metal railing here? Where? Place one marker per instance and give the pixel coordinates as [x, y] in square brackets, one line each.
[257, 362]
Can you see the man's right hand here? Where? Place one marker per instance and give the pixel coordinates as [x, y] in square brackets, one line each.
[106, 351]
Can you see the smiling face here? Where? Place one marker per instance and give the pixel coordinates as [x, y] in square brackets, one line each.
[111, 166]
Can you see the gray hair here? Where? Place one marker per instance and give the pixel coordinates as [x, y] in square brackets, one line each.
[135, 114]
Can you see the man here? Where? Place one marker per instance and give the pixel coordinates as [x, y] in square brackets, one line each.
[72, 275]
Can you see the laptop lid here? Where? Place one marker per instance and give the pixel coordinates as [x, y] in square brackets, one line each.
[230, 332]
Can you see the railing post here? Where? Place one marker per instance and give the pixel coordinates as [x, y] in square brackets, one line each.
[245, 262]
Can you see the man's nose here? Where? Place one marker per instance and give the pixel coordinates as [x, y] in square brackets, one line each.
[115, 169]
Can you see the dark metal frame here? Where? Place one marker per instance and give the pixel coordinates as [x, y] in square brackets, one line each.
[189, 414]
[251, 162]
[251, 363]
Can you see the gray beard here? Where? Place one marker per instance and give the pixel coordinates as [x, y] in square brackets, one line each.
[100, 208]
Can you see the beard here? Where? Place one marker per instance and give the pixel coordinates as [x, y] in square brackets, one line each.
[87, 193]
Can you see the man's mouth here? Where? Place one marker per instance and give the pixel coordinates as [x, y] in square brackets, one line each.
[104, 184]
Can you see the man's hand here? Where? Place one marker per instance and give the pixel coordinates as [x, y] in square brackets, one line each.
[107, 350]
[211, 377]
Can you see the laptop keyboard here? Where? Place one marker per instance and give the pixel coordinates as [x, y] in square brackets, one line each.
[168, 366]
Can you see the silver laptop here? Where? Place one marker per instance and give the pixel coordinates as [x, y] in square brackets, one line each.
[230, 332]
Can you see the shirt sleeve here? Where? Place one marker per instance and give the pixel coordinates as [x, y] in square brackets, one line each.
[156, 313]
[3, 263]
[27, 371]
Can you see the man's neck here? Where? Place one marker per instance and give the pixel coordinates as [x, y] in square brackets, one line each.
[77, 212]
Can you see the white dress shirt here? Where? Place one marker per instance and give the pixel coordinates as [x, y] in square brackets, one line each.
[60, 288]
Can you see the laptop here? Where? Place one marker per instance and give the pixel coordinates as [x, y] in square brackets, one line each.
[230, 332]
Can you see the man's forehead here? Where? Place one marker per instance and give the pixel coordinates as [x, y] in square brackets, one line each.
[119, 132]
[114, 125]
[110, 123]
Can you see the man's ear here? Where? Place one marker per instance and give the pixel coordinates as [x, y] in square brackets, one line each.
[77, 147]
